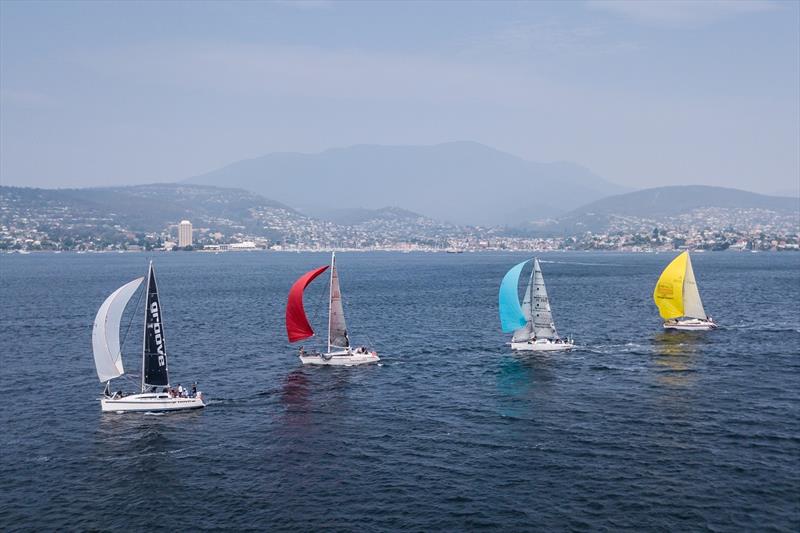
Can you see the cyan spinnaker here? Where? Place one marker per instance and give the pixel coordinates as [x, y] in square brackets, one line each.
[511, 315]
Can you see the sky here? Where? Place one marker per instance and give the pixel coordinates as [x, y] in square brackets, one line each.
[642, 93]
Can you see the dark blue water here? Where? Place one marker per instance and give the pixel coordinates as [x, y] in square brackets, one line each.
[638, 429]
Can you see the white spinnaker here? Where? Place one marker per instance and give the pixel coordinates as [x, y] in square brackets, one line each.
[523, 334]
[692, 304]
[543, 326]
[105, 334]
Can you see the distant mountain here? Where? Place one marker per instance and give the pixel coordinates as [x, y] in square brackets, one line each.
[462, 182]
[663, 203]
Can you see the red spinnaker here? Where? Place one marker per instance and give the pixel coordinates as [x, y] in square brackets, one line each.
[297, 326]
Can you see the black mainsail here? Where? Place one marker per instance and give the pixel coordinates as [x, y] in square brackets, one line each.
[154, 359]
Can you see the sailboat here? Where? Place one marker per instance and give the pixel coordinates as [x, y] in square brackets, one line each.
[678, 299]
[108, 354]
[339, 352]
[531, 322]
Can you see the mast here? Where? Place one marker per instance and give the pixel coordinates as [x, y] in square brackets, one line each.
[144, 333]
[330, 298]
[530, 302]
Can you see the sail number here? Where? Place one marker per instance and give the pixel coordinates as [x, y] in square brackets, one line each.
[154, 314]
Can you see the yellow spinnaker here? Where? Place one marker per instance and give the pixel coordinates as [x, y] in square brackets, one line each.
[668, 294]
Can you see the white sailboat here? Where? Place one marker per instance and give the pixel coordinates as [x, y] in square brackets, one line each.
[339, 351]
[678, 299]
[531, 322]
[108, 355]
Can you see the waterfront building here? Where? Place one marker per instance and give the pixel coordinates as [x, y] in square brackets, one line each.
[184, 234]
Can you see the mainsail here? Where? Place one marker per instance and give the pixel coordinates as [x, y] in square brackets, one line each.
[105, 334]
[512, 317]
[297, 326]
[543, 326]
[669, 291]
[692, 304]
[155, 350]
[337, 328]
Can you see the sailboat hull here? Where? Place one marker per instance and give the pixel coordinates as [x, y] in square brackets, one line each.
[542, 345]
[692, 324]
[150, 402]
[340, 358]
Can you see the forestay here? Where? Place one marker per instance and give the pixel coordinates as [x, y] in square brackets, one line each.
[105, 333]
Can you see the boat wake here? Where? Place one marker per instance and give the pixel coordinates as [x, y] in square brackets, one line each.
[628, 347]
[769, 328]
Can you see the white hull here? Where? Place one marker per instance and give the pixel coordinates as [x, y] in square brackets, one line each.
[542, 345]
[692, 324]
[151, 402]
[341, 358]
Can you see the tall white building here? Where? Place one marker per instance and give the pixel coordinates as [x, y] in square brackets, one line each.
[184, 234]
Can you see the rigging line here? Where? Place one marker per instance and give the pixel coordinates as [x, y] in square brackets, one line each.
[130, 322]
[318, 307]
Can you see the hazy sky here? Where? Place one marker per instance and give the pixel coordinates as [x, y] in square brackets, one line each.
[644, 94]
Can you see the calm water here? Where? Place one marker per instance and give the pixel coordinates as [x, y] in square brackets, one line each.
[638, 429]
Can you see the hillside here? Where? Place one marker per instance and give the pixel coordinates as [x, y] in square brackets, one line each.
[688, 203]
[147, 215]
[462, 182]
[359, 215]
[666, 201]
[146, 207]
